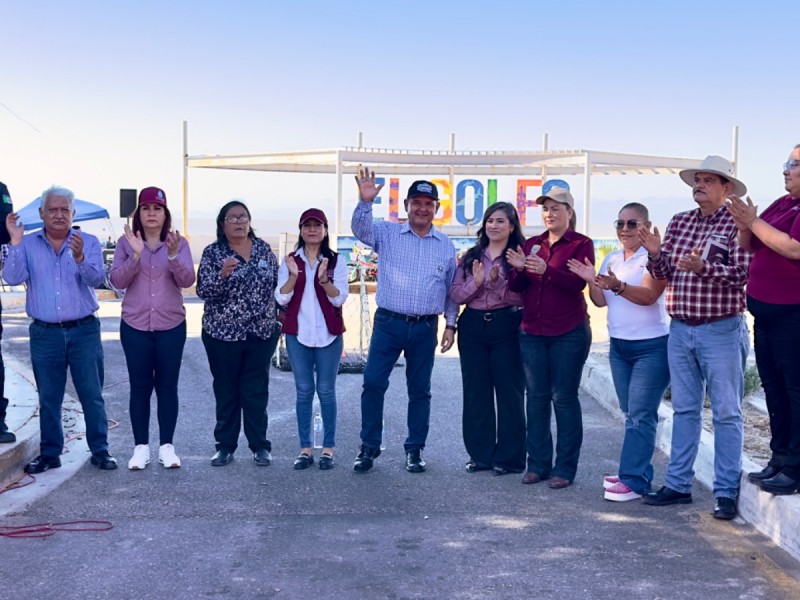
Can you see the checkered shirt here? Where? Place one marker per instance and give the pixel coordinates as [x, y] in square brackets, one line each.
[718, 290]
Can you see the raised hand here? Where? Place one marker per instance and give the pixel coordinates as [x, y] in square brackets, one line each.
[650, 240]
[535, 264]
[291, 265]
[15, 229]
[173, 242]
[367, 189]
[607, 282]
[584, 270]
[743, 213]
[228, 266]
[516, 258]
[322, 271]
[75, 244]
[478, 273]
[134, 241]
[691, 262]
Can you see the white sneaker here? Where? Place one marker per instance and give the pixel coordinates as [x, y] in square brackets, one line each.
[140, 458]
[167, 456]
[609, 481]
[619, 492]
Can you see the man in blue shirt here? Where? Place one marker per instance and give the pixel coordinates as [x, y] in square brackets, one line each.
[416, 265]
[61, 268]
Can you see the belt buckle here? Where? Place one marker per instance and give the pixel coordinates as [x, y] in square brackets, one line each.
[415, 318]
[488, 317]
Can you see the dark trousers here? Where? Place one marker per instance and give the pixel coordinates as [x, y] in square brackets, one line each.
[553, 367]
[2, 364]
[154, 362]
[777, 331]
[493, 421]
[417, 341]
[241, 389]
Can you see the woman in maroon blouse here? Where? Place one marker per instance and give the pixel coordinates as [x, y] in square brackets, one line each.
[555, 338]
[488, 344]
[773, 298]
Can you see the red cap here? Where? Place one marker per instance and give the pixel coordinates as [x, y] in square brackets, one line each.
[152, 195]
[314, 213]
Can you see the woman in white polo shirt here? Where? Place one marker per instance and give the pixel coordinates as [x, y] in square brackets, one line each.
[638, 328]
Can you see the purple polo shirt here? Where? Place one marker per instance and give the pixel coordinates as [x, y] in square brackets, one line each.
[153, 300]
[553, 302]
[774, 278]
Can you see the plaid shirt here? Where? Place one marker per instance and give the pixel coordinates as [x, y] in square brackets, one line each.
[718, 290]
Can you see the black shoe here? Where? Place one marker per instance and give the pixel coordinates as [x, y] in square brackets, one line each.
[725, 508]
[366, 456]
[666, 496]
[780, 485]
[221, 458]
[303, 461]
[41, 463]
[474, 467]
[104, 462]
[6, 437]
[414, 462]
[326, 461]
[263, 458]
[758, 476]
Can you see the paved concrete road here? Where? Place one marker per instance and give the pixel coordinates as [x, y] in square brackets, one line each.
[244, 531]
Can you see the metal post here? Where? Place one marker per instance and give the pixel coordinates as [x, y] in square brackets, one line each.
[185, 203]
[735, 151]
[587, 192]
[543, 169]
[360, 140]
[452, 168]
[338, 211]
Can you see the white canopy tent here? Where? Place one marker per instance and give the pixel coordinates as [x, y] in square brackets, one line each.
[542, 164]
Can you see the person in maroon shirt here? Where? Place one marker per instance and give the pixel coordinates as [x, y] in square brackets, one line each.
[773, 298]
[555, 338]
[488, 345]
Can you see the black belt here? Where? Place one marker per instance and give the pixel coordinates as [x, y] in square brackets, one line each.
[407, 318]
[706, 321]
[66, 324]
[489, 315]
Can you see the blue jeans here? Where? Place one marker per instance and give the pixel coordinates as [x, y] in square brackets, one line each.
[641, 374]
[710, 355]
[553, 366]
[325, 361]
[390, 337]
[78, 348]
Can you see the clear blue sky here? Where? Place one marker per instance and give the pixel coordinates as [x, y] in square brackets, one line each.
[106, 85]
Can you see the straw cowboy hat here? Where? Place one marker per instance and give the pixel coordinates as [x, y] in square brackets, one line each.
[719, 166]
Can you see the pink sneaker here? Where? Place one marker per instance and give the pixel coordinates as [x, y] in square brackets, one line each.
[610, 480]
[619, 492]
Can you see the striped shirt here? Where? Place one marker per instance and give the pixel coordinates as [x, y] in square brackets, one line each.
[718, 290]
[414, 273]
[59, 289]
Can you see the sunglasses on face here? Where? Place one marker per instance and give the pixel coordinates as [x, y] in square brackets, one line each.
[631, 223]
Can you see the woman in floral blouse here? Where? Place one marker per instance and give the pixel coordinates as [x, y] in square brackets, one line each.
[236, 278]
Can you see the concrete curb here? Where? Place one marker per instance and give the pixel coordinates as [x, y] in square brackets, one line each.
[23, 420]
[777, 517]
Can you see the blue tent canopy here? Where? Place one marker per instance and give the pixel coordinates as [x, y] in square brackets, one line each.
[84, 211]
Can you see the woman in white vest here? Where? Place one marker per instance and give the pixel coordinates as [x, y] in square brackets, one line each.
[638, 328]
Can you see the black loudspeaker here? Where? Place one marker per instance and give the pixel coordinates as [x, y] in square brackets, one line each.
[5, 210]
[127, 203]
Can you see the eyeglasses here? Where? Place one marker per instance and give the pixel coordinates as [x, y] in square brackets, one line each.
[791, 165]
[239, 219]
[631, 223]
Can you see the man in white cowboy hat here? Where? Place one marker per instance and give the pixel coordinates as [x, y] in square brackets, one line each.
[706, 271]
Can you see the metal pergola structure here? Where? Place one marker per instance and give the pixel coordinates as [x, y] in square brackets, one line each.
[535, 163]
